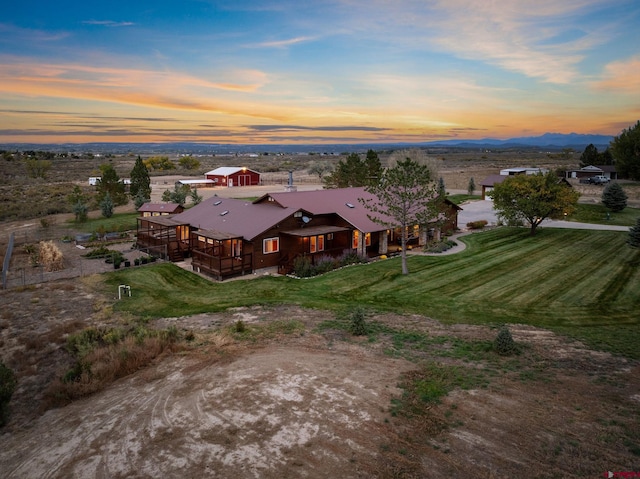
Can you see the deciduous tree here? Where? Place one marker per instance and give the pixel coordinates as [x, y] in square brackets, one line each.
[404, 196]
[533, 198]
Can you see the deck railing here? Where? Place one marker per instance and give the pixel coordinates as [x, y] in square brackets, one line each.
[221, 267]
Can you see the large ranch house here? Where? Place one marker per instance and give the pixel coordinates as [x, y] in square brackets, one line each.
[227, 237]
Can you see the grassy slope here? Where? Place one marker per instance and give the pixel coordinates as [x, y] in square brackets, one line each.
[585, 284]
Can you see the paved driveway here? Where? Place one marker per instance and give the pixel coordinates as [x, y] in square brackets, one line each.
[483, 210]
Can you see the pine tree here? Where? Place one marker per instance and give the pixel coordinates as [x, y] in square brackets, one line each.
[471, 188]
[614, 197]
[140, 181]
[634, 235]
[106, 205]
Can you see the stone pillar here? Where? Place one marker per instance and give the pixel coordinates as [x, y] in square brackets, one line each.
[383, 244]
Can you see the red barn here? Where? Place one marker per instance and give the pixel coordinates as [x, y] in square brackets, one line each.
[233, 176]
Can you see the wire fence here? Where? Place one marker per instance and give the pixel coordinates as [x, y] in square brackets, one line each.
[21, 265]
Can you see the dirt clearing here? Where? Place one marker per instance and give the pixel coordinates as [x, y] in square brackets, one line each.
[315, 403]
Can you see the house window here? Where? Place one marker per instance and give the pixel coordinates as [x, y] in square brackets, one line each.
[354, 242]
[316, 243]
[236, 248]
[270, 245]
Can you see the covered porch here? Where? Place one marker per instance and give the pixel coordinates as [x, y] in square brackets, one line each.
[163, 237]
[313, 242]
[220, 255]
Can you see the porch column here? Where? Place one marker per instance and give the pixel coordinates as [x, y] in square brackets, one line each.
[383, 243]
[422, 236]
[436, 234]
[361, 249]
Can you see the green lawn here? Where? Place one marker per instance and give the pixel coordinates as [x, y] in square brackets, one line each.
[117, 223]
[459, 199]
[585, 284]
[598, 214]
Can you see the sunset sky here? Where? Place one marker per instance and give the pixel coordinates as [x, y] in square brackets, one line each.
[316, 71]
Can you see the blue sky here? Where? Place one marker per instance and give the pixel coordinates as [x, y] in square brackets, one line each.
[316, 71]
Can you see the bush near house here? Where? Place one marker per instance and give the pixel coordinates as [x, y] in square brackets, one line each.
[477, 225]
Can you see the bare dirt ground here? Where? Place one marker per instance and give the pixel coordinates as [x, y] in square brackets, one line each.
[312, 403]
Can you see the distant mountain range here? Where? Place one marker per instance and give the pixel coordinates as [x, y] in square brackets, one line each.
[550, 141]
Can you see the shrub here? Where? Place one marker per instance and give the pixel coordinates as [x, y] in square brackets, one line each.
[302, 267]
[357, 324]
[324, 264]
[51, 257]
[504, 343]
[477, 225]
[8, 384]
[440, 247]
[351, 257]
[240, 327]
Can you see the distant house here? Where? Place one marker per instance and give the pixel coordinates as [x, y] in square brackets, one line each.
[160, 209]
[490, 181]
[233, 176]
[227, 237]
[608, 171]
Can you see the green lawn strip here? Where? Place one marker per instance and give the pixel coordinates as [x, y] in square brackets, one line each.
[570, 281]
[117, 223]
[459, 199]
[597, 214]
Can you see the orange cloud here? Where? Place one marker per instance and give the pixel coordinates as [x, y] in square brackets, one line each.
[622, 76]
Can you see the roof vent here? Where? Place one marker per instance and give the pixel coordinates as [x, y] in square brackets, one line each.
[217, 202]
[349, 205]
[224, 212]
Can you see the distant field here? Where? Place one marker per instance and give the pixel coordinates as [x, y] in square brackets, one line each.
[585, 284]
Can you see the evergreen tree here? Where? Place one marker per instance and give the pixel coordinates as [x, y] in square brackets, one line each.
[140, 181]
[614, 197]
[178, 195]
[471, 188]
[634, 235]
[140, 200]
[374, 167]
[353, 171]
[81, 211]
[625, 149]
[106, 205]
[195, 197]
[589, 156]
[442, 190]
[110, 183]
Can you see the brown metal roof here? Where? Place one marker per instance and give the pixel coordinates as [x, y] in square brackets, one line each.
[160, 207]
[217, 235]
[315, 230]
[341, 201]
[492, 180]
[238, 218]
[345, 202]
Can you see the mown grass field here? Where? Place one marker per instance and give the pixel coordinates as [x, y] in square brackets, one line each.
[597, 214]
[585, 284]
